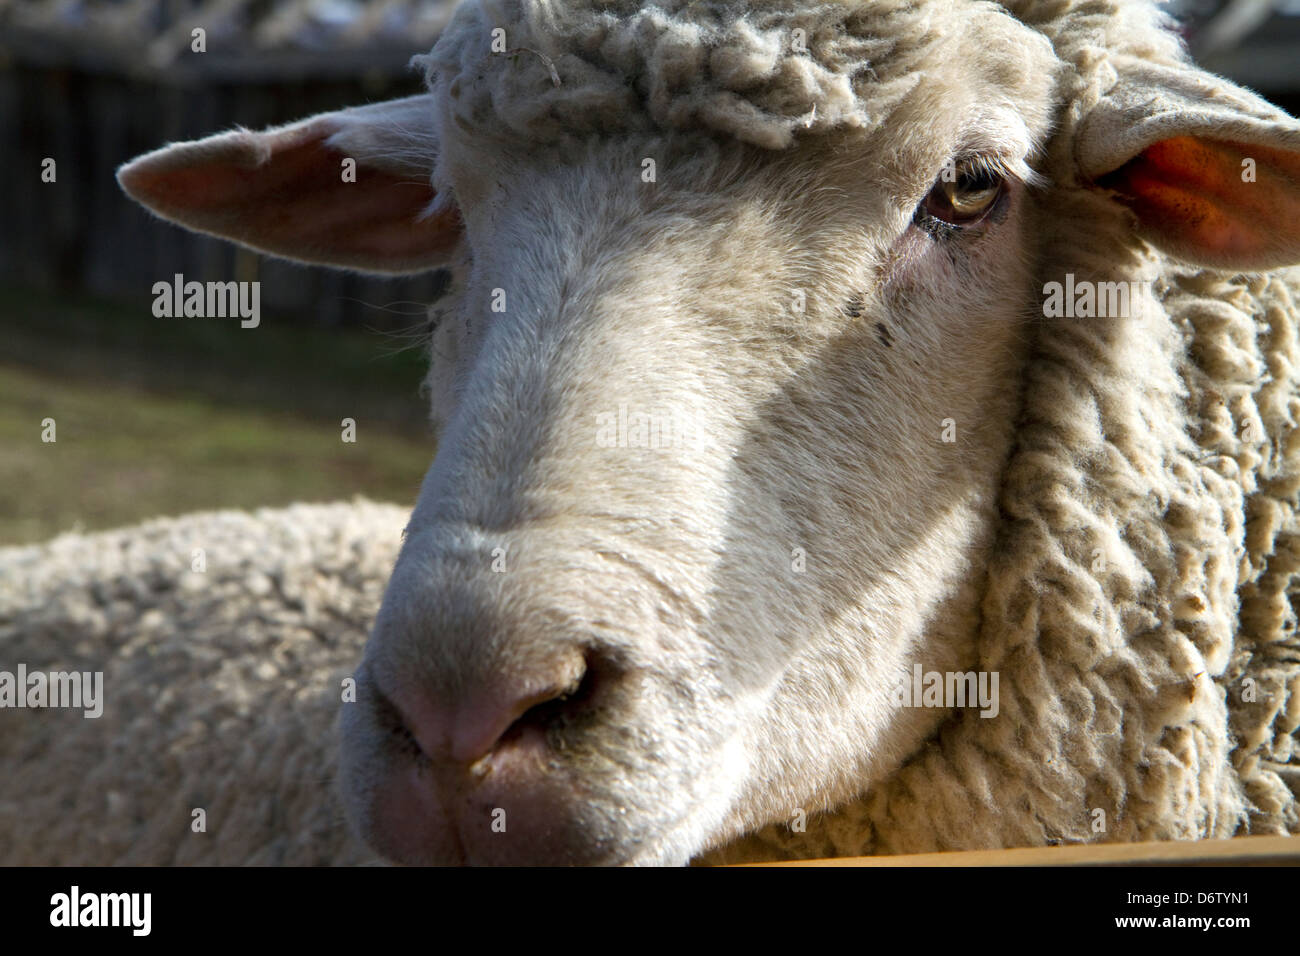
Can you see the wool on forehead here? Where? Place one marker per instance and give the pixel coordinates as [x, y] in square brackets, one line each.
[760, 72]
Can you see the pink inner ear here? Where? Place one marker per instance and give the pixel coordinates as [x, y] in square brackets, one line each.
[1189, 192]
[298, 205]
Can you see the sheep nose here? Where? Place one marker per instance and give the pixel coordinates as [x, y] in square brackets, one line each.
[482, 719]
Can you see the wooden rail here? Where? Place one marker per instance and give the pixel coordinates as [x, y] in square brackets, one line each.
[1240, 851]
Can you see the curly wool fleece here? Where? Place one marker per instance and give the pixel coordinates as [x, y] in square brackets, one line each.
[759, 75]
[221, 686]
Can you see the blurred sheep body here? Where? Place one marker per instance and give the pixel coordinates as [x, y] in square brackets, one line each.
[701, 641]
[218, 675]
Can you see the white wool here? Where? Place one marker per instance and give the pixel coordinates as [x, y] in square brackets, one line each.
[220, 685]
[721, 67]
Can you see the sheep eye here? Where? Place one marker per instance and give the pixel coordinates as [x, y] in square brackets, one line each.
[967, 199]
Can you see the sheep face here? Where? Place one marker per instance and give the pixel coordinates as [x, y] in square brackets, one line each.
[720, 429]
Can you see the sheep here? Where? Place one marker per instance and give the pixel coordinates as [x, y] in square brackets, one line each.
[972, 330]
[224, 639]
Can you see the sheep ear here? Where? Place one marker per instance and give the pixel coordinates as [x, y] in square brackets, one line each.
[348, 189]
[1211, 170]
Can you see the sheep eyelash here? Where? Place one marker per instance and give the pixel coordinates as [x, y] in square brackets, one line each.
[984, 164]
[1012, 170]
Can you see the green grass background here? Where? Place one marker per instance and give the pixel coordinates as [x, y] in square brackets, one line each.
[164, 416]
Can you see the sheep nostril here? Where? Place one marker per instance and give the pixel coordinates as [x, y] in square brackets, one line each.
[541, 705]
[559, 711]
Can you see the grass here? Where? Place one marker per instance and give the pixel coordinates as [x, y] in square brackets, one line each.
[160, 417]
